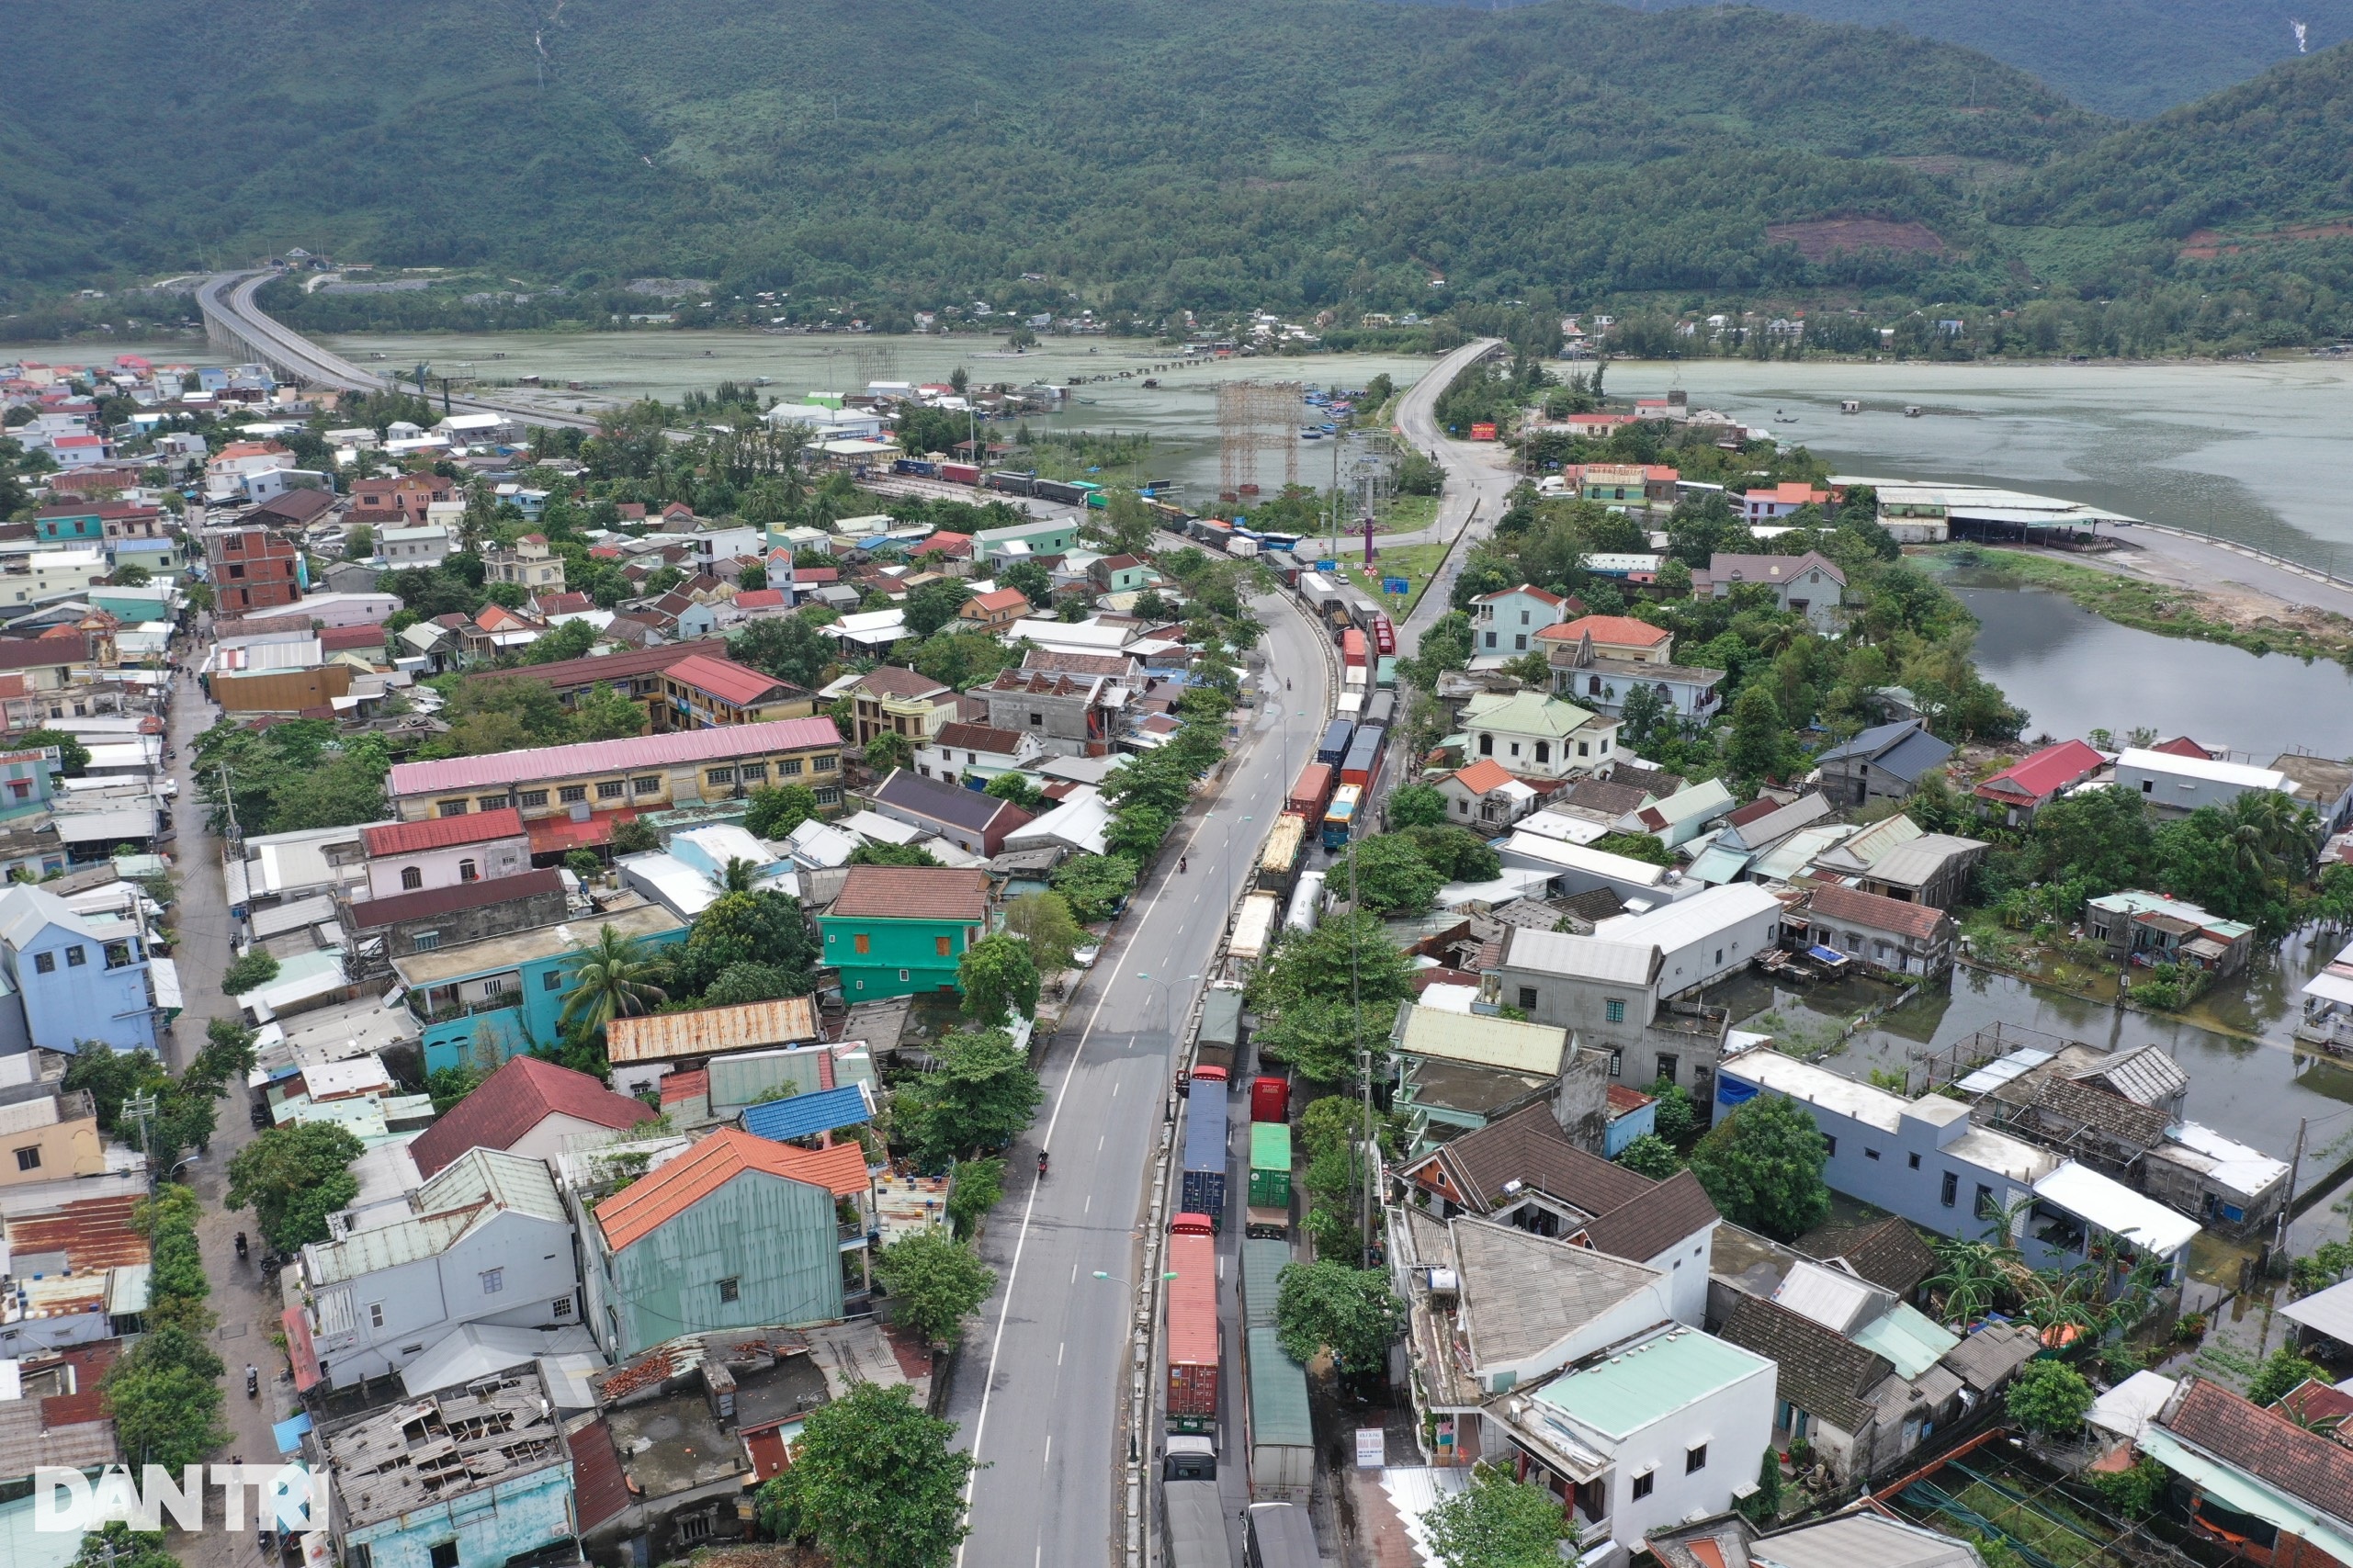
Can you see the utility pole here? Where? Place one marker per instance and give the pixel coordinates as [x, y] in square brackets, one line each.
[2295, 1170]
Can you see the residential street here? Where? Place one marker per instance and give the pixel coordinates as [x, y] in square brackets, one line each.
[1038, 1391]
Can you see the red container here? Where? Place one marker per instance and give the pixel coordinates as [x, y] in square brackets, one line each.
[1312, 793]
[1193, 1327]
[962, 473]
[1384, 637]
[1352, 649]
[1270, 1099]
[1198, 1072]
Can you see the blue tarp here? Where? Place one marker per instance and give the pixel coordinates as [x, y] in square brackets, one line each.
[806, 1115]
[289, 1433]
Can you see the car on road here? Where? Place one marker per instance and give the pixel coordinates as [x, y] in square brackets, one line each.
[1085, 958]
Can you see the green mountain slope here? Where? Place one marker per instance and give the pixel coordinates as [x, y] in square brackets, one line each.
[1204, 154]
[2128, 58]
[2276, 151]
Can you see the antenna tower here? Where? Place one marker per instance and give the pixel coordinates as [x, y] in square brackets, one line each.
[1255, 417]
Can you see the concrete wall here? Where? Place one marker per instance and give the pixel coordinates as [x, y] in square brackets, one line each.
[1581, 1098]
[490, 1525]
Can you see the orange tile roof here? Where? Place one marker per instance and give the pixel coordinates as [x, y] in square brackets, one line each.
[1624, 630]
[1483, 775]
[841, 1169]
[653, 1201]
[1002, 599]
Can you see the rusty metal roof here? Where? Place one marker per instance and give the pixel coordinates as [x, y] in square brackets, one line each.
[712, 1032]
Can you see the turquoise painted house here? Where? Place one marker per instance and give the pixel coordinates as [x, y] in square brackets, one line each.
[27, 781]
[736, 1233]
[503, 996]
[899, 930]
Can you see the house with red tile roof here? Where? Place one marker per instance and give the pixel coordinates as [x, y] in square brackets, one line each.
[705, 690]
[1486, 798]
[734, 1233]
[1772, 505]
[2032, 782]
[529, 1106]
[993, 612]
[1886, 936]
[2290, 1490]
[444, 852]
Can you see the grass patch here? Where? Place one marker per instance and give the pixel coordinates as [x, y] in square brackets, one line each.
[2155, 606]
[2047, 1535]
[1415, 563]
[1405, 513]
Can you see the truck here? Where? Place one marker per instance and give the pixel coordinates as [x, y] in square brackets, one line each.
[1278, 863]
[1283, 564]
[1307, 902]
[1254, 929]
[1271, 1165]
[1364, 760]
[1219, 1041]
[1270, 1099]
[1262, 1265]
[1188, 1458]
[1384, 637]
[1311, 792]
[1192, 1323]
[1381, 709]
[1204, 1190]
[1281, 1434]
[1242, 548]
[915, 467]
[1384, 673]
[1280, 1535]
[1352, 649]
[1334, 745]
[1265, 1221]
[1193, 1523]
[1340, 817]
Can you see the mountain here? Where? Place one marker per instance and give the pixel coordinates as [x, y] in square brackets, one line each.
[2272, 157]
[2132, 58]
[1171, 153]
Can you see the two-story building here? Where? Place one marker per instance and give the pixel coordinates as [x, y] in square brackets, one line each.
[485, 1240]
[1703, 938]
[604, 778]
[444, 852]
[1505, 624]
[403, 499]
[49, 1134]
[703, 691]
[1071, 715]
[80, 980]
[505, 995]
[1772, 505]
[418, 548]
[896, 931]
[1486, 798]
[1886, 761]
[1539, 738]
[993, 611]
[1886, 936]
[1602, 661]
[1810, 585]
[891, 699]
[975, 751]
[735, 1232]
[253, 568]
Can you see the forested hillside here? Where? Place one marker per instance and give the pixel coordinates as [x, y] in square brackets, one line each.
[2128, 58]
[1179, 152]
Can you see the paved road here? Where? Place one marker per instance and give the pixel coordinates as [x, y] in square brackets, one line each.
[1046, 1371]
[2190, 561]
[1478, 476]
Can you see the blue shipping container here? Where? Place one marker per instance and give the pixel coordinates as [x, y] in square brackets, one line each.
[1205, 1150]
[1336, 739]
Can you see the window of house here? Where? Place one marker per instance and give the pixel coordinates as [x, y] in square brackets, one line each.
[1951, 1188]
[1527, 998]
[532, 799]
[1490, 640]
[1985, 1210]
[828, 797]
[649, 784]
[118, 954]
[1870, 1153]
[468, 871]
[45, 962]
[1614, 1010]
[1695, 1459]
[1642, 1485]
[561, 1306]
[426, 941]
[77, 956]
[731, 1289]
[1667, 1065]
[820, 765]
[491, 801]
[1520, 643]
[1617, 1061]
[443, 1556]
[609, 789]
[358, 1556]
[1486, 745]
[1912, 1162]
[941, 942]
[694, 1527]
[451, 808]
[753, 773]
[553, 980]
[493, 1281]
[571, 795]
[1584, 747]
[1036, 721]
[902, 974]
[720, 775]
[863, 942]
[1544, 750]
[376, 1315]
[29, 1159]
[411, 878]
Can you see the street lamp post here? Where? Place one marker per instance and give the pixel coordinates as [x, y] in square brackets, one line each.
[1167, 999]
[1229, 862]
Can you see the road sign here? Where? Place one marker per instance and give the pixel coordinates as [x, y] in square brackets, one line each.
[1395, 585]
[1326, 565]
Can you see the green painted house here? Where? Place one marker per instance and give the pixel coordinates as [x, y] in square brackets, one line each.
[736, 1233]
[899, 930]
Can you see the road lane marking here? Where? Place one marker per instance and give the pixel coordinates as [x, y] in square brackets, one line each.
[1058, 1348]
[1029, 1208]
[1047, 1462]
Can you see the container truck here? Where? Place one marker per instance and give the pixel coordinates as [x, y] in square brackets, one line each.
[1381, 708]
[1271, 1165]
[1351, 705]
[1337, 735]
[1241, 548]
[1220, 1040]
[1270, 1099]
[1254, 929]
[1385, 674]
[1352, 649]
[1340, 817]
[1384, 637]
[1364, 760]
[1203, 1190]
[1307, 902]
[1262, 1265]
[1188, 1458]
[1279, 1535]
[1282, 1435]
[1192, 1323]
[1193, 1524]
[1311, 793]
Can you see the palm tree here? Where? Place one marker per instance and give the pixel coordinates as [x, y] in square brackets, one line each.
[612, 978]
[737, 878]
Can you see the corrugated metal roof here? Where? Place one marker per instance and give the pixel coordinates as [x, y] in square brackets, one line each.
[654, 1200]
[1278, 1394]
[805, 1115]
[712, 1032]
[727, 680]
[1263, 1260]
[1501, 1042]
[1581, 958]
[442, 833]
[505, 768]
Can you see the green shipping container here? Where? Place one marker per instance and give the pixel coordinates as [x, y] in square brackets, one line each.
[1263, 1263]
[1270, 1165]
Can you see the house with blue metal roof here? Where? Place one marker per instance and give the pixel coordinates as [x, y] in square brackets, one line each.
[809, 1115]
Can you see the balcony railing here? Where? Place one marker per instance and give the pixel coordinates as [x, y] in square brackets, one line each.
[447, 1013]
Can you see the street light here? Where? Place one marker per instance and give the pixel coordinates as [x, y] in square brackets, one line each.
[1230, 862]
[1168, 1001]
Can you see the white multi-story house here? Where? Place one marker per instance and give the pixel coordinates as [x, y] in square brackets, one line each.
[444, 852]
[485, 1241]
[1533, 736]
[1505, 624]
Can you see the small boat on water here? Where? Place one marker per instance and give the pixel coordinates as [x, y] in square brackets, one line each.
[1911, 410]
[1151, 381]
